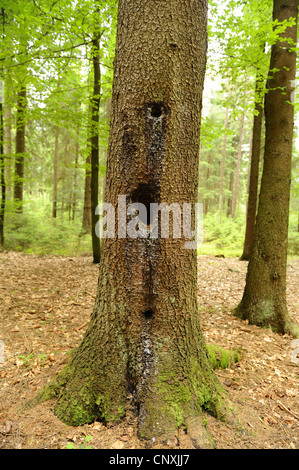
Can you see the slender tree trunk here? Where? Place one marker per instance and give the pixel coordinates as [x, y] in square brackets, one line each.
[207, 199]
[86, 223]
[254, 174]
[94, 180]
[231, 189]
[239, 158]
[223, 158]
[55, 175]
[2, 178]
[7, 147]
[144, 337]
[20, 149]
[74, 198]
[264, 299]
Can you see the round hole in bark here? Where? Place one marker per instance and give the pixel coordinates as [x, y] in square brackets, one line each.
[145, 195]
[156, 110]
[148, 314]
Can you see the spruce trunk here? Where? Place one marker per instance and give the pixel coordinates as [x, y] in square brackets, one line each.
[144, 338]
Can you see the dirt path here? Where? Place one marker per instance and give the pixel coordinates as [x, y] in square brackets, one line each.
[45, 306]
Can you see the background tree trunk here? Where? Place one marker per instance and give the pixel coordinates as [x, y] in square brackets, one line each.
[20, 149]
[2, 178]
[223, 158]
[7, 147]
[94, 180]
[264, 300]
[86, 222]
[55, 176]
[254, 174]
[144, 336]
[74, 194]
[239, 158]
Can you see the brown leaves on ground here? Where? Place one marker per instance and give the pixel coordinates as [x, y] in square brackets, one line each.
[46, 303]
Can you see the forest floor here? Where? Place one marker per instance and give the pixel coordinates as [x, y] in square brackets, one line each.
[46, 303]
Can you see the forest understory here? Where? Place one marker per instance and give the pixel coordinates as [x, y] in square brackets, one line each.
[46, 303]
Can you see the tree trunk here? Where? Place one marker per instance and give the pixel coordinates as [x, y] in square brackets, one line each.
[20, 149]
[55, 176]
[74, 196]
[7, 148]
[254, 175]
[94, 180]
[86, 223]
[2, 178]
[231, 188]
[144, 337]
[264, 299]
[207, 199]
[239, 158]
[223, 159]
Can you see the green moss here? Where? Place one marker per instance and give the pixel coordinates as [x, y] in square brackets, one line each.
[188, 393]
[222, 358]
[175, 393]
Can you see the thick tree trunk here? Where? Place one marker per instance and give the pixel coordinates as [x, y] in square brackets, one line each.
[264, 300]
[144, 337]
[20, 149]
[254, 175]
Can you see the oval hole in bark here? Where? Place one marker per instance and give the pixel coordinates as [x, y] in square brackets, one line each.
[156, 110]
[144, 194]
[148, 314]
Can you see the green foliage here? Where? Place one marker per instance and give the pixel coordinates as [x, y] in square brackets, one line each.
[32, 359]
[229, 235]
[83, 445]
[36, 233]
[293, 244]
[222, 358]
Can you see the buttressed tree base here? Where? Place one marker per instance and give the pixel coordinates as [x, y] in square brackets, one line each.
[144, 337]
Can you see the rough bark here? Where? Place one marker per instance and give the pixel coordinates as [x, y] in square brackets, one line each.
[20, 149]
[94, 179]
[264, 300]
[144, 337]
[254, 174]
